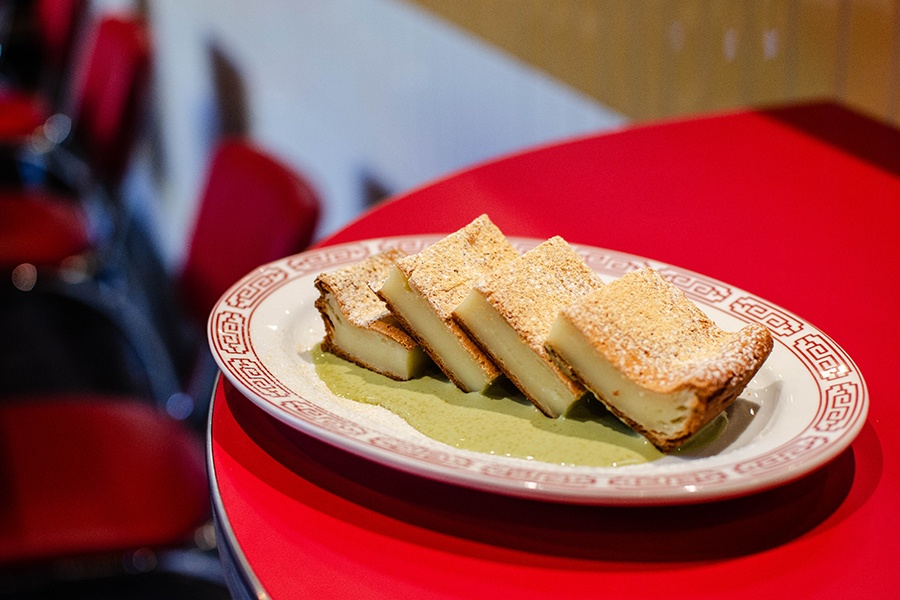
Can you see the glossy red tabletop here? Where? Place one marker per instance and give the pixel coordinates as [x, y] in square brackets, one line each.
[800, 206]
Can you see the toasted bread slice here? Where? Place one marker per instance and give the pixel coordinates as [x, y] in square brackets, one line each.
[653, 357]
[358, 325]
[422, 290]
[510, 311]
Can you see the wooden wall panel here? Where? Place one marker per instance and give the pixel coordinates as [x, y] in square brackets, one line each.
[814, 48]
[613, 56]
[870, 52]
[687, 53]
[657, 58]
[650, 59]
[768, 33]
[592, 50]
[728, 42]
[508, 24]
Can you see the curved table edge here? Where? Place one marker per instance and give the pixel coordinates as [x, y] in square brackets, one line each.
[239, 576]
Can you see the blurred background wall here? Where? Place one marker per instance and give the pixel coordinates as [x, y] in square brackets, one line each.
[372, 97]
[658, 58]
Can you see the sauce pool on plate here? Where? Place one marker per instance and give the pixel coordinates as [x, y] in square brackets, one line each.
[499, 422]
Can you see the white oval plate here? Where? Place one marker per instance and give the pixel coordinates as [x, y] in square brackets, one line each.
[805, 406]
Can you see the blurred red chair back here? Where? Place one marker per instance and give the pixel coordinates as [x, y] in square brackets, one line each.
[86, 475]
[109, 93]
[57, 23]
[253, 210]
[20, 114]
[24, 106]
[39, 229]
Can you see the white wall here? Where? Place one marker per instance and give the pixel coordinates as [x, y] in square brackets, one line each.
[340, 89]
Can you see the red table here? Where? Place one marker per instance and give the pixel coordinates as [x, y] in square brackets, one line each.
[799, 205]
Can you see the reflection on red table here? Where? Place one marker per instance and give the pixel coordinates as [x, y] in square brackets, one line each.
[799, 206]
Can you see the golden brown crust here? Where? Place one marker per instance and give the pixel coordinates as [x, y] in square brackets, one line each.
[646, 328]
[350, 289]
[528, 293]
[658, 338]
[703, 411]
[444, 273]
[351, 286]
[573, 386]
[388, 327]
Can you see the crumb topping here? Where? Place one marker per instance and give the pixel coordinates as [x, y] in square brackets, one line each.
[352, 287]
[530, 291]
[444, 273]
[651, 331]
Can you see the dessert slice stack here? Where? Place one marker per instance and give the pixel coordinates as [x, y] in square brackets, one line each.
[509, 313]
[423, 289]
[479, 310]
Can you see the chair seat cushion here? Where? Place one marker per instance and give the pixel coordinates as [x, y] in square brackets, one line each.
[85, 475]
[40, 229]
[20, 114]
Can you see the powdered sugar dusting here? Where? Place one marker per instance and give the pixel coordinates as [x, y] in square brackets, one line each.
[530, 291]
[445, 272]
[656, 336]
[352, 287]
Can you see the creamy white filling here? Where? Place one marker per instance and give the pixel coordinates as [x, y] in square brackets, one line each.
[373, 348]
[537, 379]
[435, 333]
[664, 413]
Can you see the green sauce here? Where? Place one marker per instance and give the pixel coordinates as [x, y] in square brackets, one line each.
[500, 421]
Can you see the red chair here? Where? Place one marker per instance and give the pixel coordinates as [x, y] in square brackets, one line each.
[37, 229]
[52, 32]
[21, 114]
[254, 209]
[57, 24]
[107, 106]
[86, 477]
[109, 88]
[87, 138]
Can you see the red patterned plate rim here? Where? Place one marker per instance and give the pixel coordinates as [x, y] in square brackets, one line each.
[809, 400]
